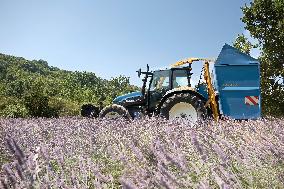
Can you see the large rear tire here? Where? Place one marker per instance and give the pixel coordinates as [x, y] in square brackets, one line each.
[184, 105]
[114, 111]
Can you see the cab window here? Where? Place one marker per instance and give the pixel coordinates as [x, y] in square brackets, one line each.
[180, 78]
[160, 80]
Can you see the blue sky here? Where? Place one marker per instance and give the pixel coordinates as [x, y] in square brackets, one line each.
[113, 37]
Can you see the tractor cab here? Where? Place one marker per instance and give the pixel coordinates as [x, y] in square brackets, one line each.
[163, 81]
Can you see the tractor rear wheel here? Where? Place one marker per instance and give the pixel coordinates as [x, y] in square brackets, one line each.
[114, 111]
[184, 105]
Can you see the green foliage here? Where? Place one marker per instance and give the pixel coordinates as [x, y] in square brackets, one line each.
[12, 107]
[64, 107]
[15, 111]
[36, 100]
[265, 21]
[243, 44]
[45, 91]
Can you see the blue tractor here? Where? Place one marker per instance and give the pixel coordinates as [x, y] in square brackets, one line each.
[234, 92]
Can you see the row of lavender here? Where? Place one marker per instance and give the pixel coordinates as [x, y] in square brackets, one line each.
[149, 153]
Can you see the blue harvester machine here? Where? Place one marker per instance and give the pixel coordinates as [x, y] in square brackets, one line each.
[234, 92]
[238, 84]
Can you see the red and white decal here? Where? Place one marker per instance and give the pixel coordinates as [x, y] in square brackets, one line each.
[251, 100]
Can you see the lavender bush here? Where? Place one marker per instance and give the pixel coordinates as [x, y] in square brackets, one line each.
[149, 153]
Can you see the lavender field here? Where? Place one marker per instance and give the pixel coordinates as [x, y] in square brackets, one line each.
[150, 153]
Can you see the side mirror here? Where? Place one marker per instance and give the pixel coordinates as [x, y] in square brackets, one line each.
[146, 73]
[139, 72]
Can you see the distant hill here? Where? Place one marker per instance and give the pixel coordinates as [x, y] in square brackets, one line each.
[33, 88]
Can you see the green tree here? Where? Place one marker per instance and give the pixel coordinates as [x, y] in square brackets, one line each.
[243, 44]
[118, 86]
[36, 89]
[265, 21]
[37, 102]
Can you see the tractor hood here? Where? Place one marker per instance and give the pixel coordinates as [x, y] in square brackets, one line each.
[130, 96]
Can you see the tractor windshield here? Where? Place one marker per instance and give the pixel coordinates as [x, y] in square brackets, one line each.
[180, 78]
[160, 80]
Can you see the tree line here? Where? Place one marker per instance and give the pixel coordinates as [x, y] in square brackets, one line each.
[35, 89]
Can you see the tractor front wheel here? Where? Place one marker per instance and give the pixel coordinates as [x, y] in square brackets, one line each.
[184, 105]
[114, 112]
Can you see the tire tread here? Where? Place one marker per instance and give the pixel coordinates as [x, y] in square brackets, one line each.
[194, 100]
[116, 108]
